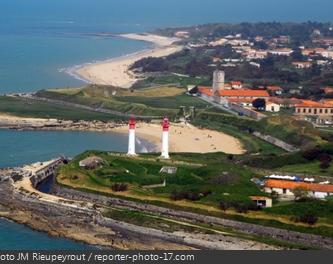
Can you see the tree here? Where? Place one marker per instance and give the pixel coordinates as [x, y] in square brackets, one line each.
[259, 104]
[300, 193]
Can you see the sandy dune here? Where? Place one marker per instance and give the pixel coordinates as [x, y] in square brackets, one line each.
[116, 71]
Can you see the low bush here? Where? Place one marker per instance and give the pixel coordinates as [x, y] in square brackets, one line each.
[119, 187]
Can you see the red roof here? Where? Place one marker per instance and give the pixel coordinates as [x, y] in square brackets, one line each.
[243, 93]
[274, 88]
[313, 104]
[238, 83]
[205, 90]
[328, 188]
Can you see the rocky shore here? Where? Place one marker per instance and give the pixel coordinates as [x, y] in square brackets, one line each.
[83, 221]
[25, 123]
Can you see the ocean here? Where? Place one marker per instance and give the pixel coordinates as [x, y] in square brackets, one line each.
[41, 39]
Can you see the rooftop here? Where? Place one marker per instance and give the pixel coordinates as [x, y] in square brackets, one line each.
[293, 185]
[243, 93]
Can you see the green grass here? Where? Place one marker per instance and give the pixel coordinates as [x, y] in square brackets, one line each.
[24, 108]
[137, 173]
[309, 168]
[183, 81]
[173, 102]
[190, 177]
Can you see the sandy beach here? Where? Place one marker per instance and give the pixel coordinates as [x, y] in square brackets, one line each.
[116, 71]
[183, 138]
[187, 138]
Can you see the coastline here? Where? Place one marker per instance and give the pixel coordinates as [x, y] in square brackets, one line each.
[183, 137]
[115, 71]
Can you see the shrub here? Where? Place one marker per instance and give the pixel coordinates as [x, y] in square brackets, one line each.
[324, 165]
[307, 218]
[188, 195]
[119, 187]
[224, 205]
[312, 154]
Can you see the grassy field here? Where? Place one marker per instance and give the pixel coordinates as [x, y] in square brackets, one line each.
[208, 178]
[21, 107]
[182, 81]
[309, 168]
[158, 101]
[210, 182]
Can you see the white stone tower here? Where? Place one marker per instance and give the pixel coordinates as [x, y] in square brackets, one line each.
[131, 137]
[165, 138]
[218, 80]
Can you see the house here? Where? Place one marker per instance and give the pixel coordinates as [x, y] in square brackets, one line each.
[275, 90]
[286, 102]
[242, 102]
[236, 85]
[272, 107]
[287, 188]
[323, 112]
[281, 52]
[302, 64]
[206, 92]
[253, 54]
[262, 201]
[225, 95]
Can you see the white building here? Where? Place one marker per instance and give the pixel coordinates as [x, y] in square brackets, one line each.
[272, 107]
[286, 188]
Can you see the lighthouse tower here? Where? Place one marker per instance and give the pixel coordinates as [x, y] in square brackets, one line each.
[165, 138]
[131, 137]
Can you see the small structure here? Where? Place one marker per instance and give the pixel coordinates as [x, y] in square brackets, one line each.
[286, 188]
[91, 163]
[272, 107]
[131, 137]
[165, 138]
[262, 201]
[168, 170]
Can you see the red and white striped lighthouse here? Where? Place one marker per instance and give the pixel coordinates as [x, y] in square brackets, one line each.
[165, 138]
[131, 137]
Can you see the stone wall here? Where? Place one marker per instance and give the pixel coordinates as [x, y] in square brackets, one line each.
[276, 142]
[285, 235]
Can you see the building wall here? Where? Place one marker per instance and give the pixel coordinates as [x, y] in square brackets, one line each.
[318, 195]
[273, 107]
[306, 111]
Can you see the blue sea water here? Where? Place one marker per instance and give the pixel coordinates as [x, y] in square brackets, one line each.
[38, 38]
[41, 38]
[15, 236]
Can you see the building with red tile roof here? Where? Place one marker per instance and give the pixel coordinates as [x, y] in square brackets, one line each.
[286, 188]
[322, 111]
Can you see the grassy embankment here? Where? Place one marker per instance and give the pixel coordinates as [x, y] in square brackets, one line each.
[206, 181]
[162, 101]
[21, 107]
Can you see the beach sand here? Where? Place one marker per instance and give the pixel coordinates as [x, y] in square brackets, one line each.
[187, 138]
[116, 71]
[183, 138]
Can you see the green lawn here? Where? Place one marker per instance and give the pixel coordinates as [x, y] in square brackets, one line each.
[309, 168]
[21, 107]
[216, 180]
